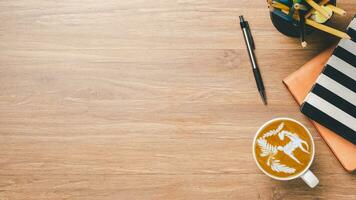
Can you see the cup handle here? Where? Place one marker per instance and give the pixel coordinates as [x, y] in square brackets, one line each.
[310, 179]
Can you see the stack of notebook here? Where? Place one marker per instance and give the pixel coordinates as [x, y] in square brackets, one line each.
[325, 87]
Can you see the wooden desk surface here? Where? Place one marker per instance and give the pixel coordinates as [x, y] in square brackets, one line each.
[146, 99]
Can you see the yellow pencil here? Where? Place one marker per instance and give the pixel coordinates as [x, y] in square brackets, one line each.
[318, 8]
[327, 29]
[280, 6]
[336, 10]
[321, 3]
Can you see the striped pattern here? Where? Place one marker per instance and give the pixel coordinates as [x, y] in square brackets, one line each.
[332, 100]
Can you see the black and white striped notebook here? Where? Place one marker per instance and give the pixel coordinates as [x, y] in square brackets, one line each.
[332, 100]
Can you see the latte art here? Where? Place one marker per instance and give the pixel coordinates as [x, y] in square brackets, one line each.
[283, 148]
[268, 150]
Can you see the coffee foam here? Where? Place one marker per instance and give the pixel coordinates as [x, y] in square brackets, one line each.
[283, 148]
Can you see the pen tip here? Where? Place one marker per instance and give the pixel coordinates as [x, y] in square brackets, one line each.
[264, 101]
[263, 97]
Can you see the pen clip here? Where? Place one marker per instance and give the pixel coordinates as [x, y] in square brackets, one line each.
[250, 35]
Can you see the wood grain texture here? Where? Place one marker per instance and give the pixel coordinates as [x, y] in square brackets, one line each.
[147, 99]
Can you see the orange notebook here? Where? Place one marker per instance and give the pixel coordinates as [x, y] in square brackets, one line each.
[299, 84]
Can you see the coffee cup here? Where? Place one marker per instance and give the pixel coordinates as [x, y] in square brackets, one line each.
[284, 149]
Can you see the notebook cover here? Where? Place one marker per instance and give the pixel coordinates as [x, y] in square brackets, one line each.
[299, 84]
[332, 100]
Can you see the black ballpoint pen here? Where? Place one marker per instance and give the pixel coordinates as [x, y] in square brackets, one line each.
[250, 47]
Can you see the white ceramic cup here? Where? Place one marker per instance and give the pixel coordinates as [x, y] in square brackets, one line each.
[308, 177]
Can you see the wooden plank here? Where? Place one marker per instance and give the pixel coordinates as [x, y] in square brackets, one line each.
[198, 186]
[165, 149]
[139, 25]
